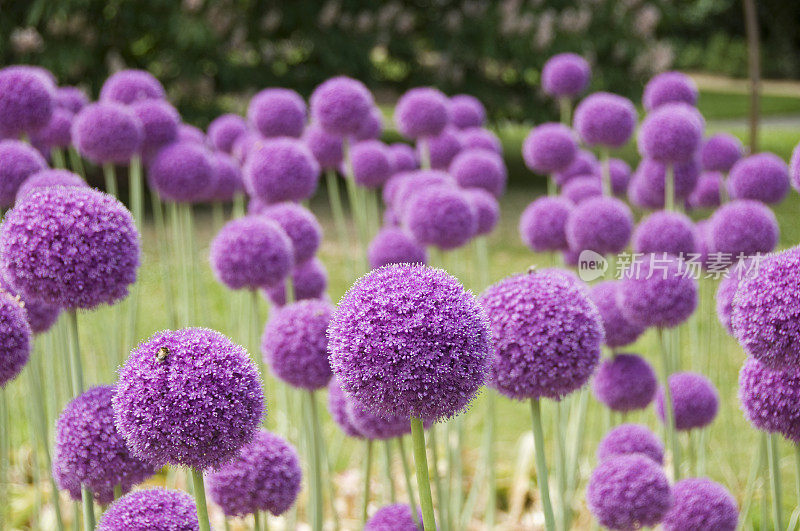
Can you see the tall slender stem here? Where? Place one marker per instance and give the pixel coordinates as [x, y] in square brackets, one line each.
[76, 162]
[423, 482]
[199, 490]
[316, 464]
[669, 413]
[797, 474]
[750, 489]
[412, 498]
[491, 494]
[76, 365]
[4, 464]
[257, 521]
[541, 465]
[441, 495]
[255, 336]
[337, 210]
[669, 186]
[561, 453]
[110, 176]
[163, 248]
[565, 110]
[775, 477]
[424, 154]
[57, 156]
[387, 466]
[605, 173]
[367, 483]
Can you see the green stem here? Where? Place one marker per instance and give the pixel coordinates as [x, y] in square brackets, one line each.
[561, 454]
[110, 178]
[289, 287]
[424, 154]
[441, 495]
[412, 498]
[387, 466]
[552, 187]
[752, 480]
[335, 199]
[491, 495]
[775, 477]
[255, 335]
[256, 521]
[423, 483]
[367, 476]
[605, 173]
[57, 156]
[669, 187]
[117, 491]
[217, 215]
[163, 248]
[239, 208]
[75, 353]
[136, 191]
[199, 491]
[797, 473]
[541, 465]
[669, 414]
[88, 508]
[76, 162]
[565, 110]
[316, 464]
[4, 462]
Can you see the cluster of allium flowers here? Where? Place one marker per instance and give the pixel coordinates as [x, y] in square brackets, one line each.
[650, 178]
[295, 344]
[619, 330]
[627, 439]
[442, 148]
[763, 177]
[720, 152]
[466, 111]
[579, 189]
[480, 138]
[340, 105]
[26, 101]
[370, 163]
[707, 192]
[107, 132]
[326, 147]
[46, 179]
[565, 75]
[188, 397]
[600, 224]
[771, 398]
[671, 134]
[159, 122]
[152, 509]
[549, 148]
[479, 168]
[584, 163]
[727, 290]
[626, 382]
[605, 119]
[275, 112]
[265, 476]
[629, 492]
[227, 181]
[701, 504]
[182, 172]
[665, 232]
[395, 246]
[695, 401]
[546, 334]
[487, 210]
[669, 87]
[421, 113]
[309, 280]
[16, 334]
[251, 252]
[18, 161]
[224, 130]
[300, 225]
[40, 315]
[410, 340]
[397, 517]
[542, 225]
[90, 452]
[73, 247]
[281, 169]
[129, 86]
[742, 227]
[441, 216]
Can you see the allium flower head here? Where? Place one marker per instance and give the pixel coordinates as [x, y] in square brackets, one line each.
[605, 119]
[17, 337]
[442, 148]
[600, 224]
[584, 163]
[395, 517]
[182, 172]
[265, 476]
[224, 130]
[720, 152]
[300, 225]
[326, 147]
[410, 340]
[542, 225]
[40, 315]
[487, 209]
[625, 383]
[340, 105]
[669, 87]
[159, 122]
[370, 163]
[771, 398]
[628, 439]
[281, 169]
[371, 127]
[309, 280]
[72, 247]
[742, 228]
[480, 138]
[58, 131]
[71, 99]
[151, 510]
[376, 426]
[701, 504]
[763, 177]
[671, 134]
[409, 186]
[188, 397]
[129, 86]
[192, 134]
[546, 334]
[727, 287]
[652, 179]
[48, 178]
[227, 180]
[421, 112]
[478, 168]
[620, 176]
[706, 193]
[580, 189]
[88, 450]
[244, 144]
[18, 161]
[26, 101]
[277, 112]
[549, 148]
[619, 330]
[107, 132]
[566, 75]
[337, 407]
[395, 246]
[402, 157]
[441, 216]
[665, 232]
[695, 401]
[466, 111]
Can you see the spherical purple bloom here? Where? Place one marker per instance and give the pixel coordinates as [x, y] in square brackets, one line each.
[47, 178]
[188, 397]
[251, 252]
[337, 407]
[395, 517]
[90, 452]
[40, 315]
[441, 216]
[487, 209]
[71, 99]
[771, 398]
[57, 133]
[327, 148]
[151, 510]
[182, 172]
[720, 152]
[265, 476]
[402, 157]
[224, 130]
[665, 232]
[416, 181]
[421, 112]
[480, 138]
[340, 105]
[478, 168]
[159, 122]
[628, 439]
[706, 193]
[566, 75]
[395, 246]
[244, 144]
[794, 167]
[652, 180]
[743, 227]
[605, 119]
[227, 179]
[107, 132]
[763, 177]
[442, 149]
[549, 148]
[17, 337]
[671, 134]
[370, 163]
[625, 383]
[281, 169]
[192, 134]
[669, 87]
[18, 161]
[410, 340]
[309, 280]
[466, 111]
[26, 101]
[277, 112]
[695, 401]
[546, 334]
[584, 163]
[542, 225]
[373, 425]
[300, 225]
[619, 330]
[372, 126]
[727, 289]
[99, 235]
[600, 224]
[701, 504]
[620, 176]
[129, 86]
[579, 189]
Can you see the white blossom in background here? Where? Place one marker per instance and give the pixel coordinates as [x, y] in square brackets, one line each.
[26, 40]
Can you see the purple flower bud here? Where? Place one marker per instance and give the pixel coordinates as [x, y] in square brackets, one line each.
[26, 101]
[15, 348]
[281, 169]
[479, 138]
[340, 105]
[600, 224]
[182, 172]
[421, 112]
[565, 75]
[487, 209]
[620, 176]
[701, 504]
[466, 111]
[771, 398]
[665, 232]
[669, 87]
[370, 163]
[326, 147]
[763, 177]
[671, 134]
[549, 148]
[542, 225]
[395, 246]
[707, 192]
[395, 517]
[605, 119]
[192, 134]
[720, 152]
[619, 330]
[47, 178]
[372, 126]
[695, 402]
[159, 122]
[150, 510]
[579, 189]
[300, 225]
[478, 168]
[631, 439]
[71, 99]
[410, 185]
[57, 133]
[224, 130]
[107, 133]
[442, 148]
[625, 383]
[742, 227]
[441, 216]
[277, 112]
[129, 86]
[584, 163]
[18, 161]
[402, 157]
[309, 279]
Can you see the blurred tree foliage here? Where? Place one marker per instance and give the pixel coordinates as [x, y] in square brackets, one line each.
[209, 53]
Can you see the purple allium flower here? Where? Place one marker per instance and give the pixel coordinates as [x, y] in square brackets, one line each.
[300, 225]
[402, 157]
[159, 122]
[671, 134]
[151, 510]
[487, 209]
[763, 177]
[605, 119]
[370, 163]
[625, 383]
[584, 163]
[99, 235]
[549, 148]
[421, 112]
[265, 476]
[657, 291]
[188, 397]
[665, 232]
[57, 133]
[727, 290]
[40, 315]
[26, 101]
[244, 144]
[107, 132]
[619, 330]
[395, 246]
[570, 257]
[620, 176]
[580, 189]
[743, 227]
[326, 147]
[628, 439]
[410, 340]
[182, 172]
[566, 75]
[546, 334]
[695, 401]
[372, 126]
[373, 425]
[771, 398]
[309, 280]
[441, 216]
[542, 225]
[224, 130]
[479, 138]
[720, 152]
[192, 134]
[466, 111]
[251, 252]
[701, 504]
[669, 87]
[794, 167]
[415, 182]
[340, 104]
[706, 193]
[281, 169]
[478, 168]
[395, 517]
[629, 492]
[88, 450]
[337, 407]
[442, 148]
[71, 99]
[277, 112]
[600, 224]
[129, 86]
[227, 179]
[17, 337]
[48, 178]
[295, 345]
[653, 176]
[18, 161]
